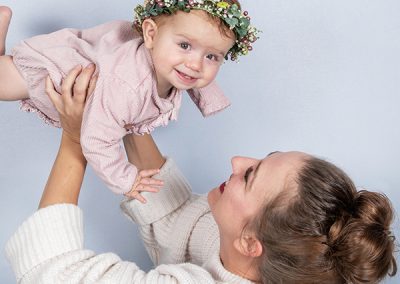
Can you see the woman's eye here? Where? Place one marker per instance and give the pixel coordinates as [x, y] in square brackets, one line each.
[184, 45]
[247, 173]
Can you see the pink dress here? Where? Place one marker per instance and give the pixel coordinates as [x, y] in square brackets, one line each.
[125, 99]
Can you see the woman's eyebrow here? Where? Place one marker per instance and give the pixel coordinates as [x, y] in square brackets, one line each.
[273, 153]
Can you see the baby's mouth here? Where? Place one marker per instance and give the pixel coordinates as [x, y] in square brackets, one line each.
[186, 77]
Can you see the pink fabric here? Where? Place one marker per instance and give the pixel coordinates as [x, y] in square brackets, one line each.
[125, 100]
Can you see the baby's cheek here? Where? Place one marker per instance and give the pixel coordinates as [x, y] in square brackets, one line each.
[210, 77]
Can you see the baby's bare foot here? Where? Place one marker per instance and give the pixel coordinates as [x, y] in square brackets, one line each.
[5, 17]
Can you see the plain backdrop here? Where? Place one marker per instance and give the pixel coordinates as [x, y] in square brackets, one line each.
[323, 78]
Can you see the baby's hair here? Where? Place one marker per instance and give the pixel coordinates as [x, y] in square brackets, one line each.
[327, 232]
[223, 27]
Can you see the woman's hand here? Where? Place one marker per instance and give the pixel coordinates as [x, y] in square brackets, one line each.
[75, 89]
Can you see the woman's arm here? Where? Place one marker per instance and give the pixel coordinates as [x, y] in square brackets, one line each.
[65, 180]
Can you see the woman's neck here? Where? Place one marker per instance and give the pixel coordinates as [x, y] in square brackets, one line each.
[237, 263]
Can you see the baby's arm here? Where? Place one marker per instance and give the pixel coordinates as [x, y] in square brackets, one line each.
[143, 152]
[106, 114]
[12, 85]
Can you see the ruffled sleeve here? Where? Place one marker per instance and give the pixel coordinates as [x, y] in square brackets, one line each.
[209, 99]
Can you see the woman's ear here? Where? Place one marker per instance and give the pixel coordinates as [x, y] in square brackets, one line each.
[248, 245]
[149, 28]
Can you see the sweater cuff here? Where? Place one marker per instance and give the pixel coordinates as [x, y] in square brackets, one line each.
[172, 195]
[49, 232]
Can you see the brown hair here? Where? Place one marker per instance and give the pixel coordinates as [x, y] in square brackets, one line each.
[223, 27]
[327, 232]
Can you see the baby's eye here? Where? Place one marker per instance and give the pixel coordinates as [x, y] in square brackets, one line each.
[184, 45]
[212, 57]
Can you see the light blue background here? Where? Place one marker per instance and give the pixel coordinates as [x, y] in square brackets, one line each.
[324, 78]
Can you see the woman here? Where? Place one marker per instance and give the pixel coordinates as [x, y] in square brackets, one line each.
[287, 218]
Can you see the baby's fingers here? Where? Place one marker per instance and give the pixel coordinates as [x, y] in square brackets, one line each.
[151, 181]
[148, 173]
[136, 195]
[147, 188]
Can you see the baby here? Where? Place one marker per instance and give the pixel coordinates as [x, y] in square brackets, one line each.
[175, 45]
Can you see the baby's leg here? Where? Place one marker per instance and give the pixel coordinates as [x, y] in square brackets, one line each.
[12, 85]
[5, 17]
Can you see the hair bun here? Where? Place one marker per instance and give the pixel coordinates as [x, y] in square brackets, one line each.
[361, 245]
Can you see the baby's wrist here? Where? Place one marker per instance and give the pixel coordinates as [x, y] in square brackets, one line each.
[71, 137]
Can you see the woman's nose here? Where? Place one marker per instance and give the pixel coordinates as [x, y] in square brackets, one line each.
[241, 164]
[236, 162]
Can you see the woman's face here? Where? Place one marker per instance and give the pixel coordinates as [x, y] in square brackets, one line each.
[237, 201]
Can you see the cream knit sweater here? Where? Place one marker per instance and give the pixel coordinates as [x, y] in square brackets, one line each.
[177, 228]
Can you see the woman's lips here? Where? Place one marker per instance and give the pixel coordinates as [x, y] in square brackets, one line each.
[222, 187]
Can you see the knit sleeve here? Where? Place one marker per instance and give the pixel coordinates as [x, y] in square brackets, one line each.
[169, 217]
[107, 111]
[48, 248]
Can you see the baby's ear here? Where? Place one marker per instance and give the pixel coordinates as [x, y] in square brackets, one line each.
[149, 28]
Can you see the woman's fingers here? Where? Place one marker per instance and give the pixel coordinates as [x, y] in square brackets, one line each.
[71, 102]
[68, 83]
[82, 83]
[52, 93]
[92, 85]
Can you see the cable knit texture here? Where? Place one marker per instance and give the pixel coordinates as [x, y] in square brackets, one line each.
[125, 99]
[176, 226]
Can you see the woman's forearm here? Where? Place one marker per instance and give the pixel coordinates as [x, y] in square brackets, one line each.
[65, 179]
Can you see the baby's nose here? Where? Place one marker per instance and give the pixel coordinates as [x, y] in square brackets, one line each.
[194, 63]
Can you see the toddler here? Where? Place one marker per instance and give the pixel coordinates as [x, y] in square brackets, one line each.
[174, 45]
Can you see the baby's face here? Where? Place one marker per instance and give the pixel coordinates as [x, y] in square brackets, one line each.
[188, 50]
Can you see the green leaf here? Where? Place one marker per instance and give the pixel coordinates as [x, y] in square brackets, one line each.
[232, 22]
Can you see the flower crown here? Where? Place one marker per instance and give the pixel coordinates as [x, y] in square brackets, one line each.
[230, 14]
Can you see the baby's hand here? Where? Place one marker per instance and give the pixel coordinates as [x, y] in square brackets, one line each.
[144, 182]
